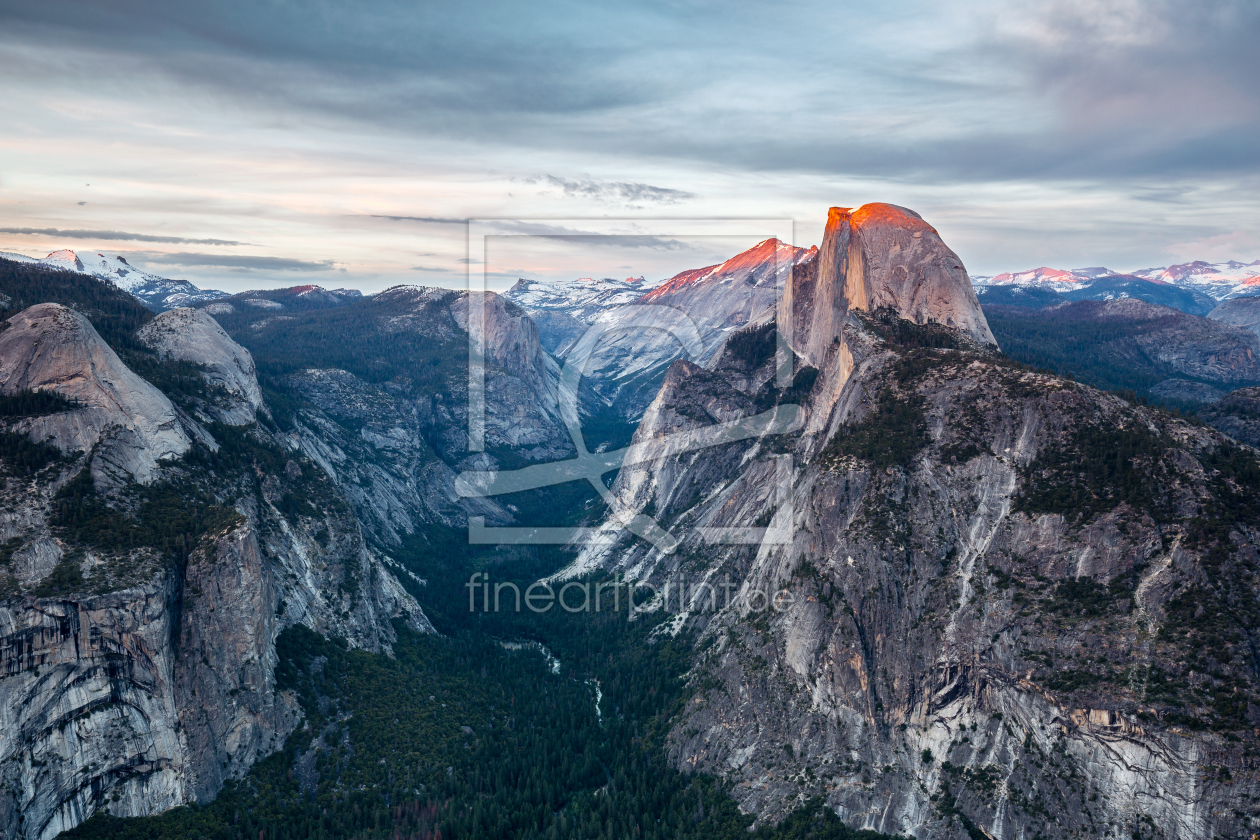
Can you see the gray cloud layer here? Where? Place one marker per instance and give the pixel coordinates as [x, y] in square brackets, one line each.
[116, 235]
[240, 262]
[617, 191]
[1031, 131]
[431, 220]
[1067, 89]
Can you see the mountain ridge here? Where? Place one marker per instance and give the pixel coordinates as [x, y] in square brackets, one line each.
[1219, 281]
[156, 293]
[1011, 603]
[951, 515]
[151, 558]
[688, 315]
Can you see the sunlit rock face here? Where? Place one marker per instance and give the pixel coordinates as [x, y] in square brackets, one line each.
[932, 667]
[735, 292]
[879, 255]
[641, 331]
[51, 347]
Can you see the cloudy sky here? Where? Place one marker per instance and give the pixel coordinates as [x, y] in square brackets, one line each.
[254, 144]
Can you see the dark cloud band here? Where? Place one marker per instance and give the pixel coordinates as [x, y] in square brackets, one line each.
[431, 220]
[118, 235]
[617, 191]
[242, 262]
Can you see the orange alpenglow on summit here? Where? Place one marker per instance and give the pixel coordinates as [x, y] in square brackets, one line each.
[879, 255]
[769, 254]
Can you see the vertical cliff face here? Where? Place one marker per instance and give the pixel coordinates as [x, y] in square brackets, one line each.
[981, 604]
[392, 429]
[138, 622]
[520, 379]
[899, 261]
[89, 710]
[878, 256]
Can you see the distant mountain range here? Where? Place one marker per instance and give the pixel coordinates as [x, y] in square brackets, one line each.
[160, 294]
[988, 574]
[1216, 280]
[629, 363]
[156, 293]
[1194, 287]
[563, 309]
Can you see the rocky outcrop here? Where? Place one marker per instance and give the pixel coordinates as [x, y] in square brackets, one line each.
[899, 261]
[228, 709]
[378, 454]
[1188, 344]
[920, 653]
[520, 377]
[191, 335]
[1237, 414]
[393, 441]
[519, 407]
[239, 591]
[1240, 312]
[153, 694]
[88, 711]
[128, 426]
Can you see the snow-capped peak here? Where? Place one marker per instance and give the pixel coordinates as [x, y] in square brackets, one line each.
[1219, 280]
[583, 298]
[767, 262]
[1058, 279]
[157, 293]
[1216, 280]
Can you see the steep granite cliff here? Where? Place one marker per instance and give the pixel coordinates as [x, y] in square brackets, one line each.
[877, 256]
[138, 618]
[969, 599]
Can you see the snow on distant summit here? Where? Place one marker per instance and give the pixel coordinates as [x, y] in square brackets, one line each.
[1058, 279]
[584, 299]
[628, 365]
[764, 266]
[1219, 281]
[156, 293]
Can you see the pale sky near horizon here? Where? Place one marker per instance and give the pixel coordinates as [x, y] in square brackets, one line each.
[253, 145]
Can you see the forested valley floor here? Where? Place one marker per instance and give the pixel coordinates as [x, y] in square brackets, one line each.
[458, 736]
